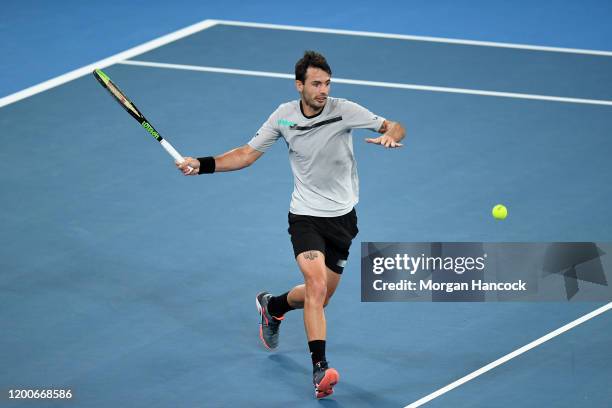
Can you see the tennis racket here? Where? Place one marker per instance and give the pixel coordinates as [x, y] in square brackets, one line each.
[129, 106]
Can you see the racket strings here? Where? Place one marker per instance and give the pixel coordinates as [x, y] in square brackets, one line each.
[115, 91]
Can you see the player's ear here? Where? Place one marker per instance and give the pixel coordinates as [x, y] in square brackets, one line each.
[299, 85]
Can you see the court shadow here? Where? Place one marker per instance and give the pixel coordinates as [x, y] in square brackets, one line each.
[360, 396]
[290, 366]
[353, 395]
[330, 403]
[286, 363]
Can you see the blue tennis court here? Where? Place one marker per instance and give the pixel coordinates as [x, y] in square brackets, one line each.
[134, 286]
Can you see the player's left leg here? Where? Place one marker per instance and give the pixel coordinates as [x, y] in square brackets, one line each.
[295, 297]
[332, 237]
[313, 267]
[273, 308]
[305, 238]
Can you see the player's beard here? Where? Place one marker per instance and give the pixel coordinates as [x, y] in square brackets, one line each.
[313, 103]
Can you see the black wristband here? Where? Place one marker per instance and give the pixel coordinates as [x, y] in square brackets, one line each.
[207, 164]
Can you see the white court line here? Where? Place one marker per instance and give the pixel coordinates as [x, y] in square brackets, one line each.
[510, 356]
[369, 83]
[87, 69]
[132, 52]
[416, 38]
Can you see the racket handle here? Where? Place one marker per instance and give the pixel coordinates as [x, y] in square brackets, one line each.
[172, 152]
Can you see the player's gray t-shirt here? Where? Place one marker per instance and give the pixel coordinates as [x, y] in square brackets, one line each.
[320, 153]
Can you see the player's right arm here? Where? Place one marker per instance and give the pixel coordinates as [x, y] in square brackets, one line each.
[239, 157]
[235, 159]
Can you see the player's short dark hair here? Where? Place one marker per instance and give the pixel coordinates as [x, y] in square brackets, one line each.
[310, 59]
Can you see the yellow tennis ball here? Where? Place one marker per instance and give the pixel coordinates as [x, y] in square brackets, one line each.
[499, 212]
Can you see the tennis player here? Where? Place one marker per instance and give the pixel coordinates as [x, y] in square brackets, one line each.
[322, 220]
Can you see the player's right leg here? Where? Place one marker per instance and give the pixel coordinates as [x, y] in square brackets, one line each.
[270, 325]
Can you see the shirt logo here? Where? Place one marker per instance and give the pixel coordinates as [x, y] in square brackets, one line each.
[285, 122]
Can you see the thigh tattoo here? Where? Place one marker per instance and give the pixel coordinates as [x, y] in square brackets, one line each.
[311, 255]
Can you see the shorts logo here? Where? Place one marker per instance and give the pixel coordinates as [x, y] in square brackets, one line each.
[341, 263]
[285, 122]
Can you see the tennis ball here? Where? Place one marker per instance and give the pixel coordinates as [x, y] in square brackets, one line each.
[499, 212]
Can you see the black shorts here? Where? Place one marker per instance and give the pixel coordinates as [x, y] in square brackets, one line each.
[330, 235]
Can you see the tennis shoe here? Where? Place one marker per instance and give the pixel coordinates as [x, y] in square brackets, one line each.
[269, 325]
[324, 379]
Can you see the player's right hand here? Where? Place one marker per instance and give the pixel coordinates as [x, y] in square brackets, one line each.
[189, 167]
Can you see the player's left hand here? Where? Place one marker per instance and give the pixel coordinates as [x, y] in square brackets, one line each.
[384, 140]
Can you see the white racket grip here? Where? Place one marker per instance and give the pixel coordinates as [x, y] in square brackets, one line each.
[172, 152]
